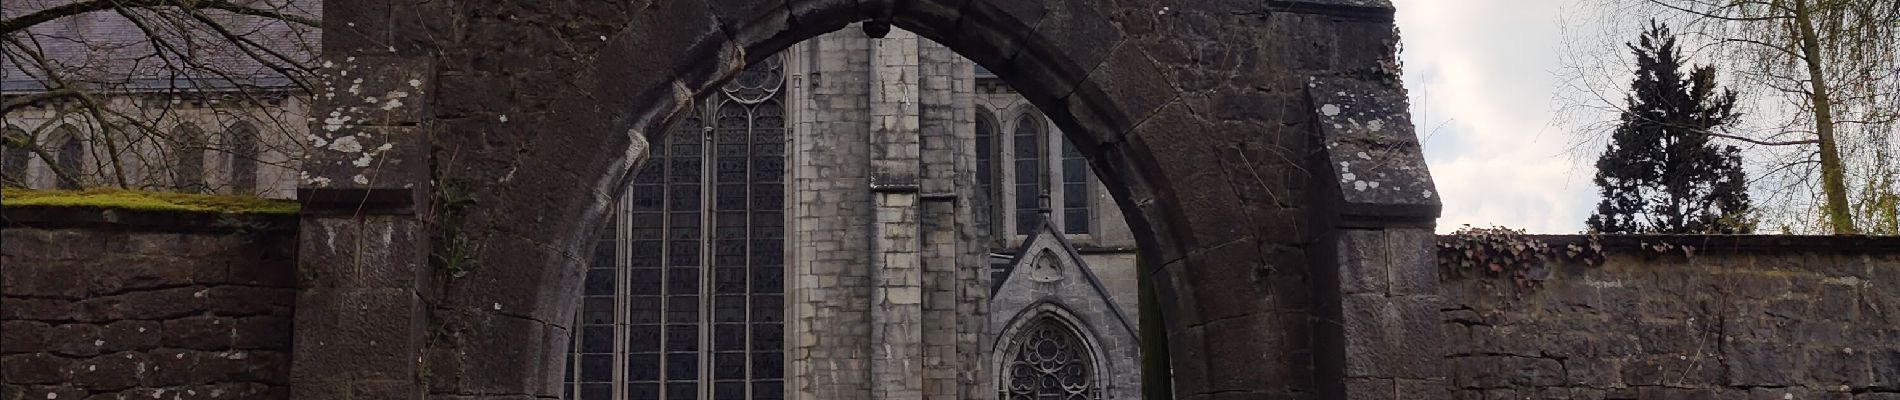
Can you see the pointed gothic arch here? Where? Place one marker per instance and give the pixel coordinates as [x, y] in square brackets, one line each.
[1047, 352]
[555, 123]
[1029, 149]
[989, 157]
[187, 154]
[69, 157]
[15, 156]
[242, 143]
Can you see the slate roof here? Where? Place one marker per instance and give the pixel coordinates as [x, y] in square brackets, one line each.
[105, 49]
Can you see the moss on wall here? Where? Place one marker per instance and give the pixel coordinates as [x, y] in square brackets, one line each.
[147, 201]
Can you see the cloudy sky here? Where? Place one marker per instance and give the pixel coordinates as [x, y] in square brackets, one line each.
[1482, 74]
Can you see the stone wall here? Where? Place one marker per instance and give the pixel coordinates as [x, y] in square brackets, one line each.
[121, 304]
[1761, 317]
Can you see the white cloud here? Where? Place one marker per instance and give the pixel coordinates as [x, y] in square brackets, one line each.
[1481, 74]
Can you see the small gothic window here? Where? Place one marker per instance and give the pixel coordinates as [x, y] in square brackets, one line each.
[1029, 170]
[188, 154]
[986, 159]
[15, 156]
[71, 155]
[1075, 189]
[244, 152]
[1049, 362]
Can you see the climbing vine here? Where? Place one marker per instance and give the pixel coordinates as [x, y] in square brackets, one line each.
[453, 249]
[1504, 253]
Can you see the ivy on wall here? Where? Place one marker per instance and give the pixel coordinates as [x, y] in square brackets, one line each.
[1509, 254]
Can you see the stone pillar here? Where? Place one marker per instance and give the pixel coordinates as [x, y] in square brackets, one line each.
[955, 259]
[1377, 335]
[896, 269]
[362, 253]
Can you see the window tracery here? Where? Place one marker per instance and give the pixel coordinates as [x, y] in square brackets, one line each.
[1049, 362]
[698, 307]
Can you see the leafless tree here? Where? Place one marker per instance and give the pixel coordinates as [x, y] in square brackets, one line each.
[1820, 87]
[120, 75]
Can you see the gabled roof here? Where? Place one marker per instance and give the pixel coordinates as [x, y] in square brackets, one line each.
[1048, 236]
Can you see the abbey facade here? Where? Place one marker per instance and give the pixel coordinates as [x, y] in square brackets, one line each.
[808, 231]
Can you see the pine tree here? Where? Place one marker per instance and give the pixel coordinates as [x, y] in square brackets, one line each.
[1660, 173]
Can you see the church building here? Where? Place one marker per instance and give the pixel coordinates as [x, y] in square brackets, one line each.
[768, 249]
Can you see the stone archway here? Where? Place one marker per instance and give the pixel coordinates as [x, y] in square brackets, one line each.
[1261, 151]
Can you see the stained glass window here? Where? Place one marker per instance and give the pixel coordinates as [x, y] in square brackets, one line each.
[71, 155]
[991, 204]
[1075, 189]
[704, 276]
[188, 158]
[244, 152]
[1029, 170]
[1048, 362]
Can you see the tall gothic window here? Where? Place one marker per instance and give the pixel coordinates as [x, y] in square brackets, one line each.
[699, 311]
[188, 158]
[72, 153]
[986, 156]
[13, 164]
[1075, 189]
[1048, 361]
[1029, 170]
[242, 138]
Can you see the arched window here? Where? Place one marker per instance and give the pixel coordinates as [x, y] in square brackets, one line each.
[1029, 169]
[13, 159]
[986, 159]
[1048, 362]
[243, 147]
[1075, 188]
[71, 156]
[188, 158]
[692, 307]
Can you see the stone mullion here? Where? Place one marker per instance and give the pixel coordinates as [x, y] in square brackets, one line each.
[708, 222]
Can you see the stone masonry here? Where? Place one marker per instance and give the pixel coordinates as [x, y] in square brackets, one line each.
[1686, 317]
[464, 233]
[122, 304]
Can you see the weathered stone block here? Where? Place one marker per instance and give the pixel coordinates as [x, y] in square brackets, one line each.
[199, 332]
[19, 308]
[351, 168]
[131, 335]
[1414, 261]
[148, 304]
[44, 279]
[234, 300]
[366, 334]
[173, 367]
[1371, 150]
[75, 340]
[23, 336]
[1363, 262]
[372, 90]
[36, 368]
[110, 372]
[366, 252]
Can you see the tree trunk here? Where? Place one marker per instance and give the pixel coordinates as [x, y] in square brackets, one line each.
[1833, 181]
